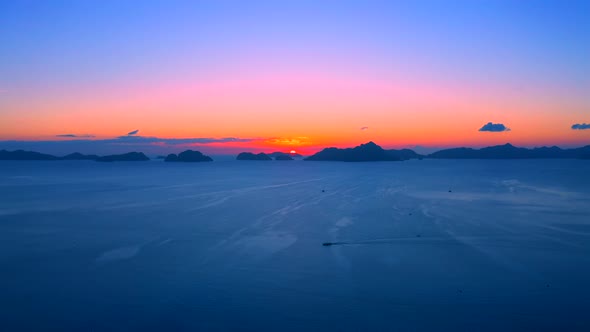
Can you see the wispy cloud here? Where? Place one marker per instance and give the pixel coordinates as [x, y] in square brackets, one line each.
[581, 126]
[131, 133]
[146, 140]
[364, 128]
[74, 135]
[174, 141]
[81, 143]
[494, 127]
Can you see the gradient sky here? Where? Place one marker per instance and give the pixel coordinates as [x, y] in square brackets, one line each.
[281, 75]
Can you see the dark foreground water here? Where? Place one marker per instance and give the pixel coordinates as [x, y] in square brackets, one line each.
[232, 245]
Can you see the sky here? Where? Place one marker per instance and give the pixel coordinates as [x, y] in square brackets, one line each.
[230, 76]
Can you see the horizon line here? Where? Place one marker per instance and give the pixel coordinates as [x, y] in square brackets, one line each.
[267, 151]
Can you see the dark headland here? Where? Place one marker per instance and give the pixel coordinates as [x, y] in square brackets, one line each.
[364, 152]
[372, 152]
[509, 151]
[25, 155]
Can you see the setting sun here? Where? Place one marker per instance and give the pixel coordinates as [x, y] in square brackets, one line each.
[292, 152]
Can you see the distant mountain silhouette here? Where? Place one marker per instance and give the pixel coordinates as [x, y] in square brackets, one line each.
[252, 156]
[25, 155]
[188, 156]
[79, 156]
[364, 152]
[278, 153]
[509, 151]
[131, 156]
[283, 157]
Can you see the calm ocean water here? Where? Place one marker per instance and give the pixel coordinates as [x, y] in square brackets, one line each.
[447, 245]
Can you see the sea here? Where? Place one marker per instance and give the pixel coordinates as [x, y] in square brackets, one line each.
[418, 245]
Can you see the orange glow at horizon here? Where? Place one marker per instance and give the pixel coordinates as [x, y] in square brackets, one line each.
[301, 75]
[302, 109]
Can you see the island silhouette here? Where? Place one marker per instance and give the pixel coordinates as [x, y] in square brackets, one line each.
[188, 156]
[130, 156]
[79, 156]
[278, 153]
[252, 156]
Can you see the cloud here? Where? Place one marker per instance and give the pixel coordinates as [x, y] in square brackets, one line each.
[494, 127]
[581, 126]
[133, 132]
[364, 128]
[74, 135]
